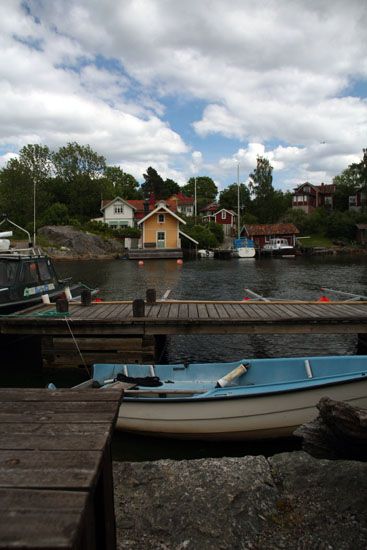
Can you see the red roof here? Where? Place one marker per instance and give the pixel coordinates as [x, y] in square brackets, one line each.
[253, 230]
[181, 199]
[212, 207]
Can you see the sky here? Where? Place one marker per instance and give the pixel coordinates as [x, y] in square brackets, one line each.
[189, 87]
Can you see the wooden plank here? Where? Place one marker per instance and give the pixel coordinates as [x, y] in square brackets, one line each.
[221, 311]
[173, 312]
[46, 417]
[93, 344]
[48, 442]
[60, 407]
[79, 398]
[50, 470]
[49, 429]
[242, 310]
[164, 310]
[193, 311]
[42, 519]
[231, 311]
[202, 311]
[183, 311]
[213, 313]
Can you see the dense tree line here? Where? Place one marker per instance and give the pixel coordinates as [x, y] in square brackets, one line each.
[67, 186]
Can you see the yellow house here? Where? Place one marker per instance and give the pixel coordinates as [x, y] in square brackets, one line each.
[161, 229]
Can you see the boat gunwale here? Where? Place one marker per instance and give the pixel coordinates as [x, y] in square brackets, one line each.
[203, 398]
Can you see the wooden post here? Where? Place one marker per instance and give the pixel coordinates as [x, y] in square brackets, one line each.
[151, 296]
[362, 344]
[86, 297]
[138, 308]
[62, 305]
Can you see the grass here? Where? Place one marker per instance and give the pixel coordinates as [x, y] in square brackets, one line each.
[316, 240]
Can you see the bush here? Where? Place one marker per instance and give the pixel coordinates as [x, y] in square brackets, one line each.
[217, 231]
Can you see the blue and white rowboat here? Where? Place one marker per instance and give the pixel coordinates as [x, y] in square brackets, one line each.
[247, 399]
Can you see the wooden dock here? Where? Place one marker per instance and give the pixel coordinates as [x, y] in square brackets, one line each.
[120, 332]
[56, 487]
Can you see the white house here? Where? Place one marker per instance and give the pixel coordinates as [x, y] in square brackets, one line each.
[118, 213]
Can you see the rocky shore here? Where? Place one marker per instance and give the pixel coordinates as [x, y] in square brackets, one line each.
[289, 500]
[67, 243]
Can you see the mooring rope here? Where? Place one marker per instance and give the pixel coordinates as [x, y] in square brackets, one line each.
[78, 348]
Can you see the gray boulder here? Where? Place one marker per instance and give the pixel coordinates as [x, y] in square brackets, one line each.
[66, 241]
[291, 500]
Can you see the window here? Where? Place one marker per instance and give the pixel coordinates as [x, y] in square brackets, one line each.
[8, 272]
[328, 201]
[160, 218]
[44, 270]
[119, 208]
[224, 214]
[29, 273]
[352, 200]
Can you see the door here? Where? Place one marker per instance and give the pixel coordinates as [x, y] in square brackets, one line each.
[161, 239]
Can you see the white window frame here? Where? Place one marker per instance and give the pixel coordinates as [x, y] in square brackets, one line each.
[163, 218]
[118, 208]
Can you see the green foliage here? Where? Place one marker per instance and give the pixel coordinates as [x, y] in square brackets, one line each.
[122, 232]
[56, 214]
[228, 197]
[217, 230]
[116, 183]
[206, 190]
[203, 235]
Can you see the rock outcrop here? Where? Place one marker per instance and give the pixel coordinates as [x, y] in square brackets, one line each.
[66, 242]
[290, 500]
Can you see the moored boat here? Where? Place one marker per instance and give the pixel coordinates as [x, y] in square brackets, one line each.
[278, 247]
[244, 248]
[28, 277]
[247, 399]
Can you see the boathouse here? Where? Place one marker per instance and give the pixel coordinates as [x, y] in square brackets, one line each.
[261, 233]
[160, 235]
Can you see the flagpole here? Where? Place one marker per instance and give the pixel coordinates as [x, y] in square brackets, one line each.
[238, 201]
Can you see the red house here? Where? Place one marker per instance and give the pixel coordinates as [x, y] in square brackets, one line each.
[223, 217]
[261, 233]
[307, 197]
[358, 201]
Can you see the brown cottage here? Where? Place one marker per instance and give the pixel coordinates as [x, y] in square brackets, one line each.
[261, 233]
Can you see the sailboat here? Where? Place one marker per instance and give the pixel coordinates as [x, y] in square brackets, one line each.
[242, 246]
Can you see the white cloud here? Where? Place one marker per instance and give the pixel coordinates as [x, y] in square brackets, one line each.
[266, 72]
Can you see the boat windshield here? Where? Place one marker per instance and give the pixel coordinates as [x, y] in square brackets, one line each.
[8, 272]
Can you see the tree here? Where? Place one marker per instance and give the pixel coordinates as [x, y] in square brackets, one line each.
[78, 183]
[171, 187]
[347, 183]
[268, 204]
[24, 180]
[228, 198]
[206, 190]
[153, 184]
[75, 160]
[117, 183]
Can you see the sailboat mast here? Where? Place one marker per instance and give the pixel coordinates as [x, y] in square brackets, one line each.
[238, 202]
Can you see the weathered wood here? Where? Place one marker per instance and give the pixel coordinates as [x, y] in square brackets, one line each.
[55, 468]
[340, 431]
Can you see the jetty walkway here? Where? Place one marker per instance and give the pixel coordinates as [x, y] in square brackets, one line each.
[135, 331]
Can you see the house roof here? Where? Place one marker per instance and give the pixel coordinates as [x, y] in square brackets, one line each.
[212, 207]
[107, 202]
[361, 225]
[253, 230]
[180, 198]
[322, 188]
[226, 210]
[161, 206]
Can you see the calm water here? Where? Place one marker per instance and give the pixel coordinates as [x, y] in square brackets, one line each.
[293, 278]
